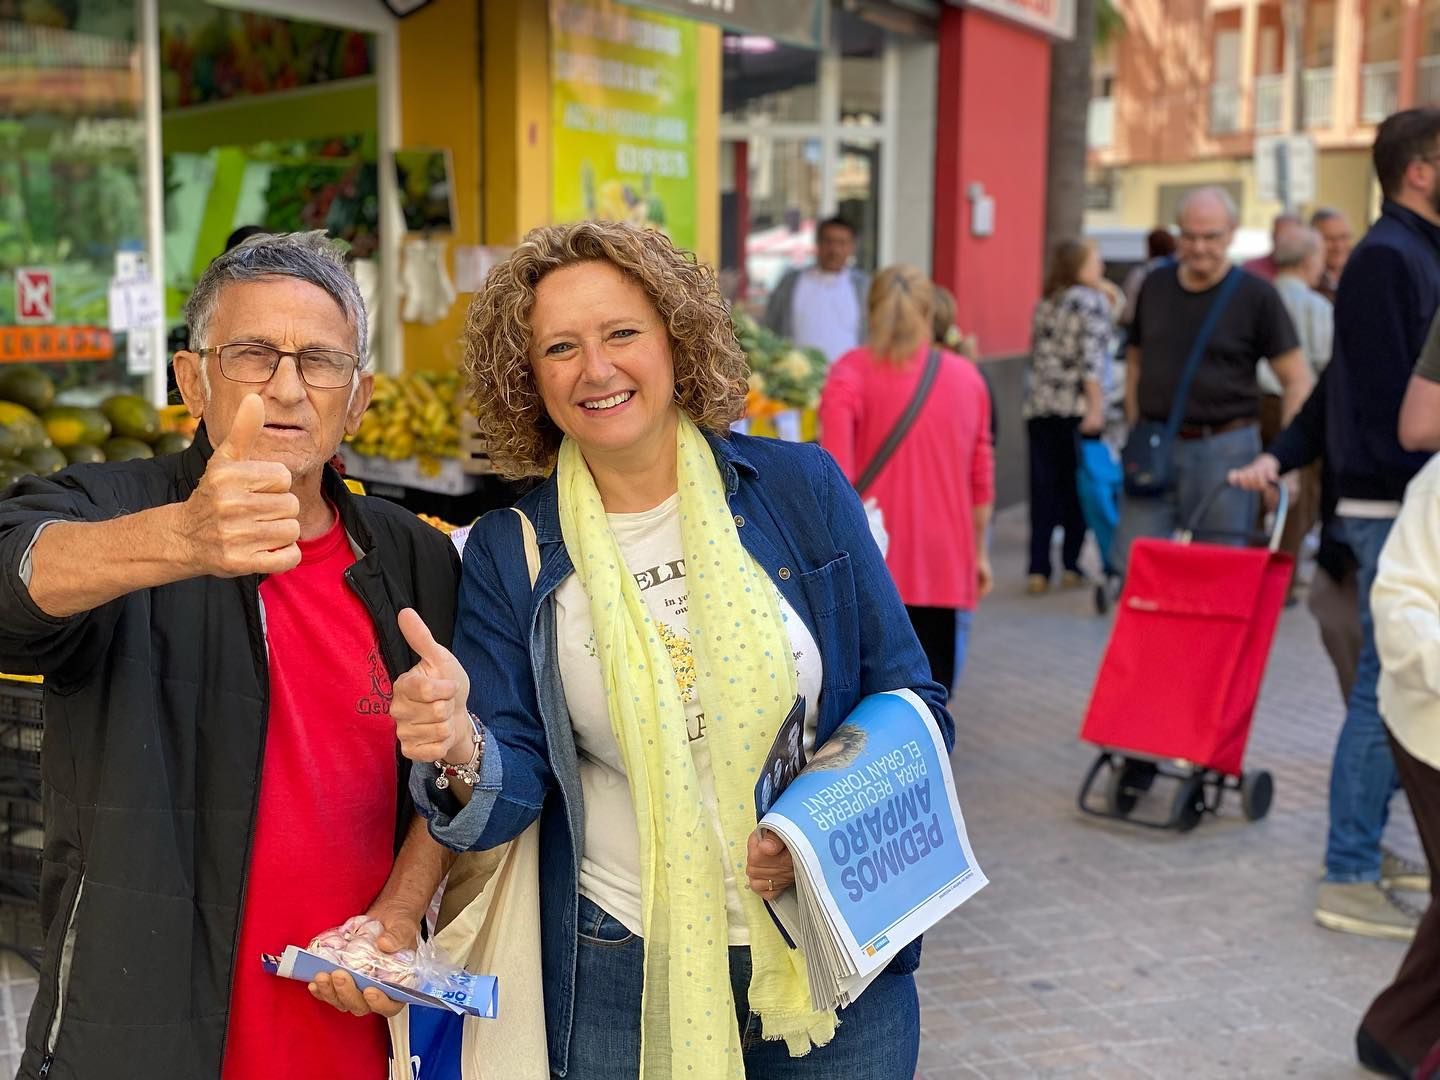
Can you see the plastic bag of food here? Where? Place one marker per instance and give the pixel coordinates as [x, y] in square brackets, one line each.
[356, 945]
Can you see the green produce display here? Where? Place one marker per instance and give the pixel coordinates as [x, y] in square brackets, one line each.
[170, 443]
[132, 417]
[122, 428]
[44, 460]
[84, 453]
[23, 425]
[124, 449]
[70, 426]
[27, 386]
[779, 371]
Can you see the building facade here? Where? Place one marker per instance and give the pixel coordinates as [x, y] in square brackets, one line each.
[1181, 95]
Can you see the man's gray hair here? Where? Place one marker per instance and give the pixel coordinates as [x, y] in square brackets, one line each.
[307, 256]
[1208, 194]
[1294, 246]
[1324, 214]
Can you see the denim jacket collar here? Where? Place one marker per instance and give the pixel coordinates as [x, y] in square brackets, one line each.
[546, 508]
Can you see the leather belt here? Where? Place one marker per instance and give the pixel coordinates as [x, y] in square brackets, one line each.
[1190, 432]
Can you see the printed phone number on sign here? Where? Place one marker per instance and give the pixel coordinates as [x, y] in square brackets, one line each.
[668, 164]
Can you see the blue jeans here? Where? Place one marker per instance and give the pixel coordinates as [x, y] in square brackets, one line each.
[1201, 466]
[963, 620]
[1363, 775]
[878, 1037]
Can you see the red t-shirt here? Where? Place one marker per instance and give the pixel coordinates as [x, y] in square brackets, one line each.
[324, 832]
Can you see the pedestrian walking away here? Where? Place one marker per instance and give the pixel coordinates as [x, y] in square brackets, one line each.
[936, 487]
[1072, 333]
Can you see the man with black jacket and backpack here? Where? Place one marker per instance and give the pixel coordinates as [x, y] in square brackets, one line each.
[1387, 297]
[1203, 314]
[218, 632]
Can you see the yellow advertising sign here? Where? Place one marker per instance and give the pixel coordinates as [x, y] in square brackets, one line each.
[623, 94]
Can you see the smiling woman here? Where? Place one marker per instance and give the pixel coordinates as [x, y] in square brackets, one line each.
[694, 589]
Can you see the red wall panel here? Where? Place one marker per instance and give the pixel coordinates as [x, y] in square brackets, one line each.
[991, 127]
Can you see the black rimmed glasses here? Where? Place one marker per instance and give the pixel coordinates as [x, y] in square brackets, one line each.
[251, 362]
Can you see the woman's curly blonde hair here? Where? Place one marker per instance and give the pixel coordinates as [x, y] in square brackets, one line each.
[710, 368]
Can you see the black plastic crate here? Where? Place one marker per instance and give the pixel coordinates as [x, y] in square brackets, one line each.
[22, 841]
[21, 932]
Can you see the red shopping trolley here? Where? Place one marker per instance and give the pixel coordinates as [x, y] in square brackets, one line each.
[1176, 690]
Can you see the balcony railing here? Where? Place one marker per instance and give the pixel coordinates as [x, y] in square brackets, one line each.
[1427, 85]
[1319, 93]
[1224, 108]
[1379, 91]
[1269, 103]
[1100, 129]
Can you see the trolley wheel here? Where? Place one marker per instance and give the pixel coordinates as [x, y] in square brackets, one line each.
[1189, 803]
[1256, 791]
[1127, 783]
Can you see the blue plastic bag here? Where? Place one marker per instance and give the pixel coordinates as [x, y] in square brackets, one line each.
[1100, 482]
[435, 1042]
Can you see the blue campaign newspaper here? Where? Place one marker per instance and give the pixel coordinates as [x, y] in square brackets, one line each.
[879, 842]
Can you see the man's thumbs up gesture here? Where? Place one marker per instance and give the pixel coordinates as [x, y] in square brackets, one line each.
[242, 518]
[428, 702]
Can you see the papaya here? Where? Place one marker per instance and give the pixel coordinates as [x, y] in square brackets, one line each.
[24, 426]
[70, 426]
[27, 386]
[132, 417]
[44, 460]
[121, 448]
[10, 471]
[84, 453]
[172, 442]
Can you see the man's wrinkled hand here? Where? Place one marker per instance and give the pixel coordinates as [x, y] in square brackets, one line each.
[1260, 475]
[338, 989]
[428, 702]
[242, 517]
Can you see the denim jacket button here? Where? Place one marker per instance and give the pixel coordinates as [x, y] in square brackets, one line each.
[739, 521]
[784, 573]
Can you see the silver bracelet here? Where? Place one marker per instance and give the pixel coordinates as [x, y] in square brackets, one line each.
[469, 772]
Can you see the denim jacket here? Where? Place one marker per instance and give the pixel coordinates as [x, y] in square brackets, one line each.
[800, 520]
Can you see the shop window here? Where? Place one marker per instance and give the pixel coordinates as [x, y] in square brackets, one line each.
[770, 203]
[71, 194]
[267, 122]
[766, 81]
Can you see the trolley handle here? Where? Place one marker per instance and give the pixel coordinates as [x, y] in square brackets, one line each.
[1282, 510]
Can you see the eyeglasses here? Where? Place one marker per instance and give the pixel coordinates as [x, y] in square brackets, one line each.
[251, 362]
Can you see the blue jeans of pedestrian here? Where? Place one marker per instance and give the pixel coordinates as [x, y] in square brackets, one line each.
[1363, 775]
[878, 1037]
[1201, 466]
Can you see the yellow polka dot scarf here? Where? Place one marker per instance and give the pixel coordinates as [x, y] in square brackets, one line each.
[746, 680]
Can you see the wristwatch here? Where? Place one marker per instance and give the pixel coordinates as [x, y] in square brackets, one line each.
[469, 772]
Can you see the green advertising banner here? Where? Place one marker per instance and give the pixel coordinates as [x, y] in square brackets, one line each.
[622, 127]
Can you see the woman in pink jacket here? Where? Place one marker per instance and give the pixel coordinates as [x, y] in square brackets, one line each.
[937, 488]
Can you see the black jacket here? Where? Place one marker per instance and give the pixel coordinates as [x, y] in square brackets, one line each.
[155, 714]
[1387, 298]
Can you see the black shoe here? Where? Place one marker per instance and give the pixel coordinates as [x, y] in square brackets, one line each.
[1377, 1059]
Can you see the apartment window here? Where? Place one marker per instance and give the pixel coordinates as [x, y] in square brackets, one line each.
[1225, 84]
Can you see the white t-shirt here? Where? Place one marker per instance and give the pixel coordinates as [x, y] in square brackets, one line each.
[651, 545]
[825, 313]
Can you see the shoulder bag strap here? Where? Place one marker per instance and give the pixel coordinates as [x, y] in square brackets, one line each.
[903, 425]
[532, 547]
[1197, 352]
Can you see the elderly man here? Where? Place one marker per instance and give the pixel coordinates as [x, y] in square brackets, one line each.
[218, 631]
[1280, 229]
[1335, 232]
[825, 305]
[1219, 421]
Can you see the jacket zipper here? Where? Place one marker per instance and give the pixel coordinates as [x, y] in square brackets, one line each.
[62, 978]
[262, 665]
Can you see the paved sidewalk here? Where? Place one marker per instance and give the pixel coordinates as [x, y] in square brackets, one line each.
[1102, 950]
